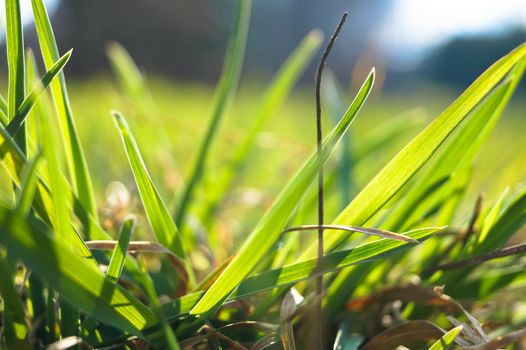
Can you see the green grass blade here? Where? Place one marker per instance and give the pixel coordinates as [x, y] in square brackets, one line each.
[16, 63]
[4, 119]
[168, 332]
[27, 104]
[14, 328]
[28, 186]
[162, 224]
[14, 161]
[75, 159]
[303, 270]
[225, 92]
[269, 228]
[121, 249]
[274, 96]
[82, 284]
[61, 202]
[509, 221]
[415, 154]
[489, 220]
[447, 340]
[131, 79]
[462, 149]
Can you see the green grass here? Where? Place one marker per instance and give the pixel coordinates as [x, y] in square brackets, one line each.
[214, 177]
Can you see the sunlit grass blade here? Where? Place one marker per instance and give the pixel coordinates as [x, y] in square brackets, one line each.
[273, 98]
[509, 221]
[268, 229]
[16, 63]
[14, 161]
[365, 230]
[447, 340]
[130, 79]
[121, 249]
[415, 154]
[82, 284]
[462, 149]
[290, 274]
[225, 92]
[162, 224]
[75, 159]
[14, 328]
[33, 96]
[28, 186]
[57, 186]
[3, 111]
[147, 283]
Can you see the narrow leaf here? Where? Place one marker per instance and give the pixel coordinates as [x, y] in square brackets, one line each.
[268, 229]
[157, 212]
[75, 159]
[121, 248]
[415, 154]
[447, 340]
[16, 63]
[225, 92]
[33, 96]
[79, 282]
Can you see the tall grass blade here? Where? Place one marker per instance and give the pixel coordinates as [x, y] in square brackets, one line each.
[303, 270]
[224, 94]
[28, 186]
[273, 98]
[4, 119]
[82, 284]
[16, 63]
[462, 149]
[147, 283]
[268, 229]
[30, 100]
[162, 224]
[415, 154]
[118, 256]
[75, 159]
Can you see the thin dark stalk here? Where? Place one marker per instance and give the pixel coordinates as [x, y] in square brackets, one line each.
[501, 253]
[319, 141]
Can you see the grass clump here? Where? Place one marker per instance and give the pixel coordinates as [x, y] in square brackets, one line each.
[75, 275]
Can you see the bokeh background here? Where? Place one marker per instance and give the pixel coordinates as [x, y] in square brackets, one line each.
[425, 54]
[447, 42]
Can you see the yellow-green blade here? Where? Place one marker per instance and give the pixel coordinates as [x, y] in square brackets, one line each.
[269, 228]
[82, 284]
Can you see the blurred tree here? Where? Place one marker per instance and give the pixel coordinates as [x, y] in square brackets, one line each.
[459, 61]
[186, 39]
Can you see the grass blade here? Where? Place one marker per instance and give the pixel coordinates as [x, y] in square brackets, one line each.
[147, 283]
[33, 96]
[162, 224]
[415, 154]
[28, 186]
[75, 159]
[447, 340]
[274, 96]
[121, 249]
[269, 228]
[225, 92]
[16, 63]
[462, 149]
[303, 270]
[3, 111]
[79, 282]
